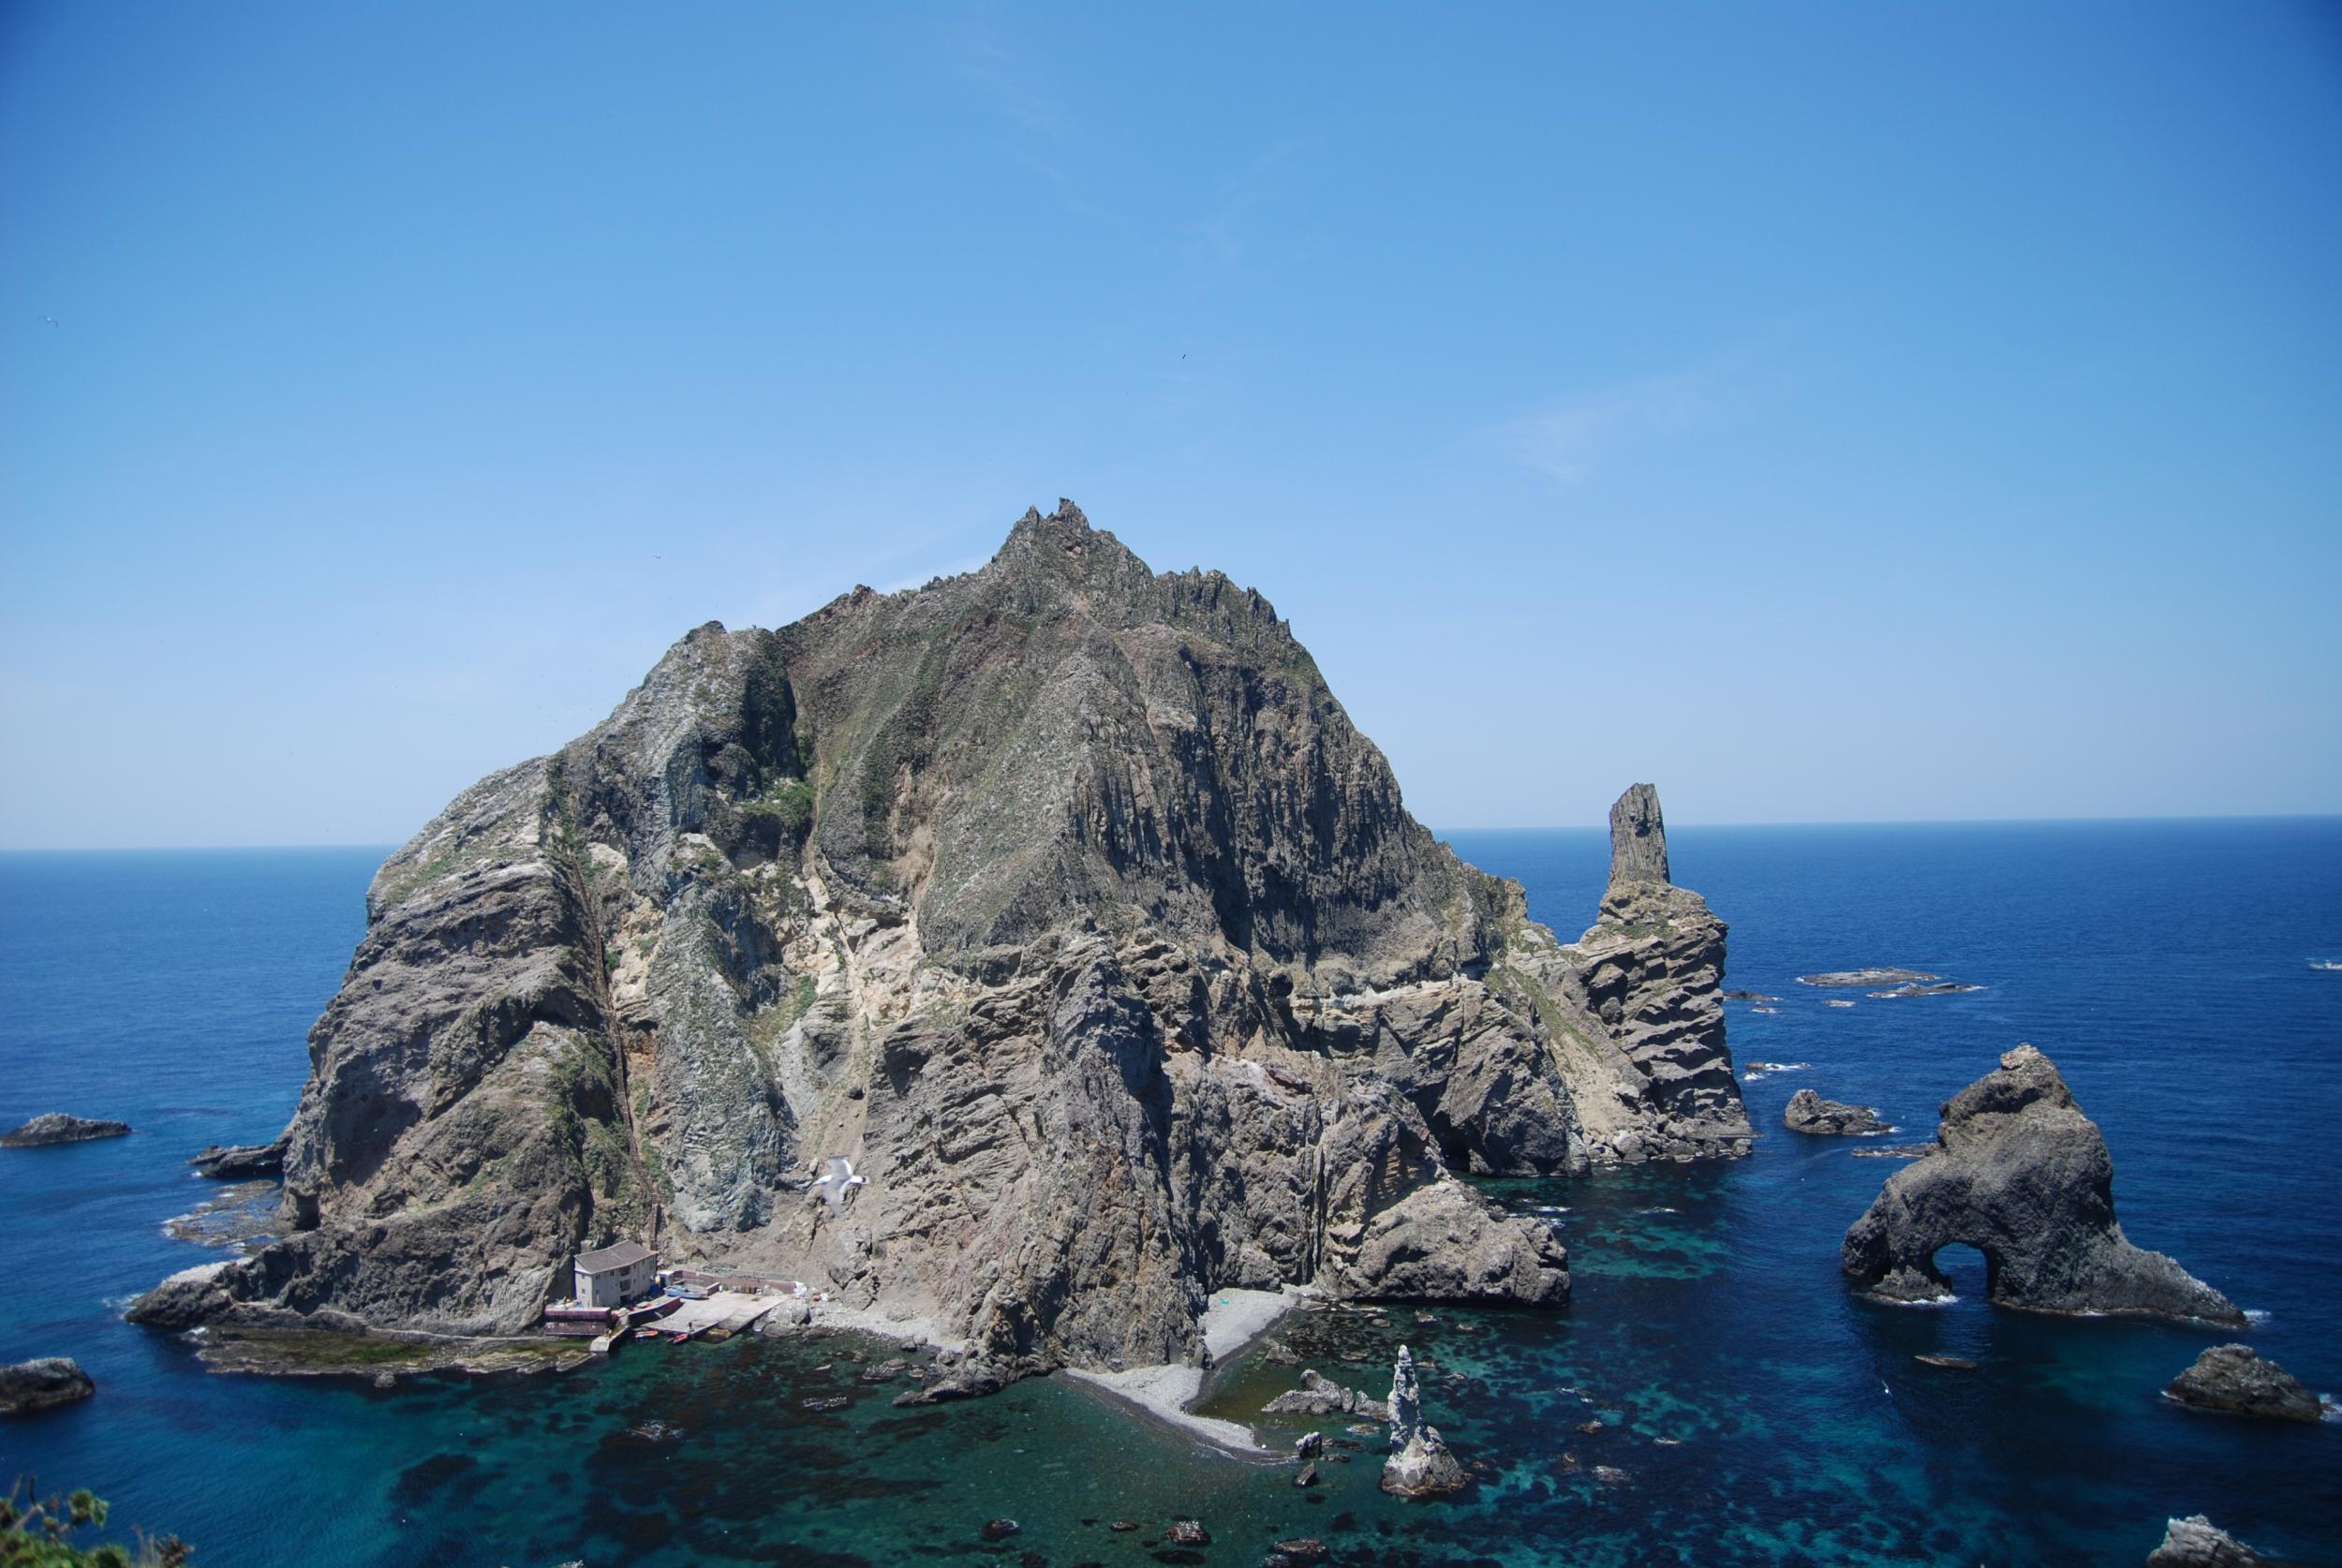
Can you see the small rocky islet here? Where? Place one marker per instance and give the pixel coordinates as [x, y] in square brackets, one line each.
[57, 1127]
[1810, 1113]
[2021, 1175]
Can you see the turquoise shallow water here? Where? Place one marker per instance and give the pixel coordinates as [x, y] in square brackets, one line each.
[1752, 1411]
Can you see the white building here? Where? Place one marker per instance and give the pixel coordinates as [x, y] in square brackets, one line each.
[615, 1275]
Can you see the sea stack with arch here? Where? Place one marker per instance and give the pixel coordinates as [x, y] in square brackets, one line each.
[2021, 1175]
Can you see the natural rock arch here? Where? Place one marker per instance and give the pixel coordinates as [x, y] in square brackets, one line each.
[2022, 1176]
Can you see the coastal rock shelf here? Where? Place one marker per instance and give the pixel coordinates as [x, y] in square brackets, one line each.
[1063, 899]
[2021, 1175]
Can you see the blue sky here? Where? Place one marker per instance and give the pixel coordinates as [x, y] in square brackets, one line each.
[1831, 412]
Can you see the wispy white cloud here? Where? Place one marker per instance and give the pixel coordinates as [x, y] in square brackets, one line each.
[1221, 232]
[1568, 439]
[982, 60]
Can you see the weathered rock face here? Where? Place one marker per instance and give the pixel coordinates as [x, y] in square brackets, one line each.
[1809, 1113]
[2193, 1542]
[2234, 1378]
[2021, 1175]
[1063, 898]
[1650, 972]
[56, 1127]
[37, 1385]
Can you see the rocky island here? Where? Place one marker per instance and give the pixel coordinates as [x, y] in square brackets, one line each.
[2235, 1378]
[58, 1128]
[1064, 899]
[2021, 1175]
[1810, 1113]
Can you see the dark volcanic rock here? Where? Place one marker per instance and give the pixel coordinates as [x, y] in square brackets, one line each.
[2234, 1378]
[1063, 898]
[2193, 1542]
[2024, 1176]
[36, 1385]
[57, 1127]
[1810, 1113]
[240, 1161]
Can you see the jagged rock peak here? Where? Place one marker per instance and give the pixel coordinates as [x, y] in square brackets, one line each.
[1638, 837]
[2021, 1175]
[2195, 1541]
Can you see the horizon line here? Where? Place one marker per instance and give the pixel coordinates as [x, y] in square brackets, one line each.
[387, 846]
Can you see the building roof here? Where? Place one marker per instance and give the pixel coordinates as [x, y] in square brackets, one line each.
[624, 1254]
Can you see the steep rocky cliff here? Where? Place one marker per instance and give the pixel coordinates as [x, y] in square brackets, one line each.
[1064, 899]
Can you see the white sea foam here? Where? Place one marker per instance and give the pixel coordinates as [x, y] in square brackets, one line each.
[2256, 1315]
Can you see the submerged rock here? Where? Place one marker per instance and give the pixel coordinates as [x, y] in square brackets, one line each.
[2234, 1378]
[1809, 1113]
[43, 1385]
[1420, 1465]
[2024, 1176]
[56, 1127]
[2194, 1543]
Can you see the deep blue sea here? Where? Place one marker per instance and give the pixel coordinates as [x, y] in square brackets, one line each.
[1752, 1411]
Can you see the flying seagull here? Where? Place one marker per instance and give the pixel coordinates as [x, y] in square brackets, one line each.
[50, 319]
[833, 1182]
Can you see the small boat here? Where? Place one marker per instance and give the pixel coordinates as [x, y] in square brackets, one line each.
[2332, 964]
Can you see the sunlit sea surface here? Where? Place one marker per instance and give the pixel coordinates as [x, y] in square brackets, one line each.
[1750, 1411]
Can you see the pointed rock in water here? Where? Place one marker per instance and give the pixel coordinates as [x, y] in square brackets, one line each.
[2234, 1378]
[44, 1385]
[56, 1127]
[1809, 1113]
[2194, 1543]
[1422, 1466]
[1649, 971]
[2024, 1176]
[1060, 896]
